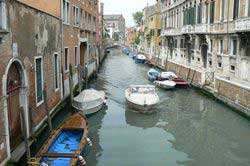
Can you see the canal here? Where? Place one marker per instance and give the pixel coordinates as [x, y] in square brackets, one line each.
[188, 128]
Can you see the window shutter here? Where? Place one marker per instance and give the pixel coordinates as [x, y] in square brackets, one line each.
[39, 88]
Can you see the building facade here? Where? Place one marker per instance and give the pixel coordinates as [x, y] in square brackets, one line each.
[30, 50]
[131, 34]
[208, 42]
[115, 24]
[80, 19]
[151, 40]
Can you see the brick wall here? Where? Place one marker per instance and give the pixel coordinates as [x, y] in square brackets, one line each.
[235, 93]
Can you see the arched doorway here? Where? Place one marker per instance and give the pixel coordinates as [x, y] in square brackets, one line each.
[14, 84]
[15, 92]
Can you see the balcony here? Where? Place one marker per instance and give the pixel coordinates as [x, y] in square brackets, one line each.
[188, 29]
[201, 28]
[170, 32]
[242, 24]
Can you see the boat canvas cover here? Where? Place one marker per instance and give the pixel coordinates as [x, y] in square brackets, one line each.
[89, 98]
[142, 57]
[168, 75]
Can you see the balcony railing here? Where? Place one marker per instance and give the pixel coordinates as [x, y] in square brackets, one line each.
[170, 32]
[242, 24]
[201, 28]
[188, 29]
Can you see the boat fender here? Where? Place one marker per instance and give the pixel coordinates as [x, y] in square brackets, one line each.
[105, 102]
[44, 164]
[89, 142]
[82, 160]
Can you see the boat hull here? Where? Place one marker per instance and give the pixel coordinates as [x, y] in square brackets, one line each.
[139, 60]
[142, 109]
[92, 110]
[166, 87]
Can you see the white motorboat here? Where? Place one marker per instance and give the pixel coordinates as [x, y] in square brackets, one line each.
[89, 101]
[142, 98]
[167, 84]
[168, 75]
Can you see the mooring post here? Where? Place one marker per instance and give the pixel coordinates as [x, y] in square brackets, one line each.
[86, 75]
[79, 79]
[47, 110]
[25, 135]
[71, 85]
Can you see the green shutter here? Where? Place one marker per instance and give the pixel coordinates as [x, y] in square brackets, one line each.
[39, 84]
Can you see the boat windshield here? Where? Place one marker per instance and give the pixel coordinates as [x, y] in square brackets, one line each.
[142, 90]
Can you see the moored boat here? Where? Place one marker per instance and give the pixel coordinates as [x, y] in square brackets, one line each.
[142, 98]
[66, 144]
[167, 84]
[89, 101]
[180, 82]
[168, 75]
[153, 74]
[140, 58]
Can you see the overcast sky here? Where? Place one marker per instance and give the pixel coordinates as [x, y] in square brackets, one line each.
[126, 8]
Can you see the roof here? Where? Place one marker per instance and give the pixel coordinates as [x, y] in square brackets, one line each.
[113, 17]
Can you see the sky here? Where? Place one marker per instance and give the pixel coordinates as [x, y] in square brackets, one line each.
[126, 8]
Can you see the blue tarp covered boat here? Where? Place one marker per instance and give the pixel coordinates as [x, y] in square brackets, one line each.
[65, 144]
[140, 59]
[153, 74]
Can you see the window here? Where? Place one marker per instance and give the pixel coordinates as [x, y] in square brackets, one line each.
[3, 17]
[65, 11]
[198, 59]
[94, 20]
[199, 17]
[182, 43]
[76, 55]
[66, 59]
[39, 80]
[211, 45]
[221, 46]
[159, 32]
[236, 9]
[56, 71]
[222, 10]
[232, 67]
[76, 16]
[81, 18]
[210, 62]
[234, 47]
[212, 4]
[219, 64]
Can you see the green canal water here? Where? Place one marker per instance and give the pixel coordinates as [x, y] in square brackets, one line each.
[188, 128]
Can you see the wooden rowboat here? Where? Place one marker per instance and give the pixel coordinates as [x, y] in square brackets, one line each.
[65, 144]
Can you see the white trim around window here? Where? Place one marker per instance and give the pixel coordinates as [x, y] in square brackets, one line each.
[40, 102]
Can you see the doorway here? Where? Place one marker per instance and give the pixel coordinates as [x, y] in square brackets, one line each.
[83, 51]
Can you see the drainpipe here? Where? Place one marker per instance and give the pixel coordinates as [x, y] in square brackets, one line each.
[62, 44]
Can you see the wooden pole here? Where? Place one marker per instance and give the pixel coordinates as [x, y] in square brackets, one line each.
[79, 79]
[47, 110]
[86, 76]
[26, 139]
[71, 84]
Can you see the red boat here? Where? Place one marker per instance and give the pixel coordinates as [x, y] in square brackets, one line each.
[180, 82]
